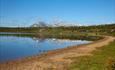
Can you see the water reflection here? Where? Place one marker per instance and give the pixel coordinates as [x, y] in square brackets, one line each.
[15, 47]
[54, 40]
[37, 39]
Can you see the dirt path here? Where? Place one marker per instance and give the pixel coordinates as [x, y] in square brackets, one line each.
[57, 59]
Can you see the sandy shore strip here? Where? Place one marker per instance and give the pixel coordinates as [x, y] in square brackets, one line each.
[56, 59]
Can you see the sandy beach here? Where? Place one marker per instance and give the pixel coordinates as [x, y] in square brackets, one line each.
[56, 59]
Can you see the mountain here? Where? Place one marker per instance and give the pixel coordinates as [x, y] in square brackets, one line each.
[39, 24]
[59, 24]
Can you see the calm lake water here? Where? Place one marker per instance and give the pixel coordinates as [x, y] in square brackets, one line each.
[13, 47]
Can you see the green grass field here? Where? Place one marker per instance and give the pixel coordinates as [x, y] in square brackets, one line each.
[102, 59]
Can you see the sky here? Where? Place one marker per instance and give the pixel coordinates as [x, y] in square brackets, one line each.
[15, 13]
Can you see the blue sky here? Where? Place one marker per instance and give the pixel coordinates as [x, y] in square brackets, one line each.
[26, 12]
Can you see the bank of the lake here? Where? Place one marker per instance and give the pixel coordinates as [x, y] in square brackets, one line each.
[57, 59]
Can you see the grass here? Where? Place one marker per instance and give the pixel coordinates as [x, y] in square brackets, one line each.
[102, 59]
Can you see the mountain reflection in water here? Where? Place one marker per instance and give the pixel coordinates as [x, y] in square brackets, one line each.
[14, 47]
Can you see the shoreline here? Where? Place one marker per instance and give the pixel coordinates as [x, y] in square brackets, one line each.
[55, 59]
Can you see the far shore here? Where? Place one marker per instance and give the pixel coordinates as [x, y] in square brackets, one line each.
[57, 59]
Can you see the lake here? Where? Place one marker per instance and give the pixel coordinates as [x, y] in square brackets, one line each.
[14, 47]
